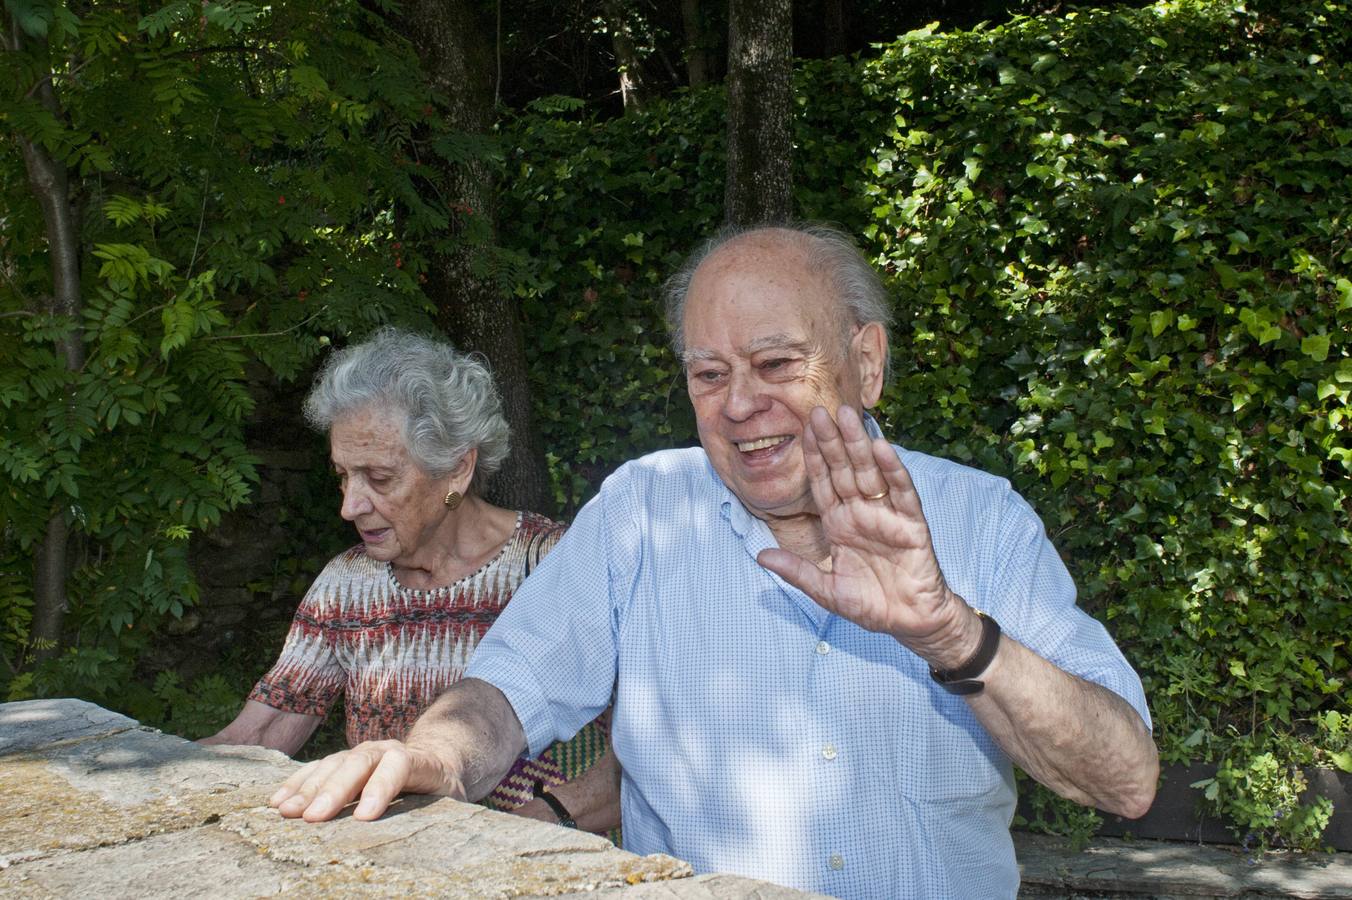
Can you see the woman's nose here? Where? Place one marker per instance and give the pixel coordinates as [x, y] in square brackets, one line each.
[355, 502]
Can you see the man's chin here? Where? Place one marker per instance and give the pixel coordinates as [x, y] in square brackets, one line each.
[770, 507]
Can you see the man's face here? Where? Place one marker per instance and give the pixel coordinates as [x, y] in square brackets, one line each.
[764, 342]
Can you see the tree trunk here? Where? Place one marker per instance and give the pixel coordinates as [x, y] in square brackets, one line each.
[457, 57]
[760, 112]
[51, 186]
[699, 56]
[626, 57]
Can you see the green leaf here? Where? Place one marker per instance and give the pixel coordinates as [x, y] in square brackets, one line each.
[1315, 346]
[33, 18]
[121, 210]
[1344, 288]
[1160, 320]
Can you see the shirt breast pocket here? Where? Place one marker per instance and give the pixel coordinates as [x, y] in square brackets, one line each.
[942, 754]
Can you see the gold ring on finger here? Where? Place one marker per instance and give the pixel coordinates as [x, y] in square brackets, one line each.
[878, 496]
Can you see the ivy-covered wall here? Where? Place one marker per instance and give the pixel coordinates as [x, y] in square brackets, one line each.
[1120, 248]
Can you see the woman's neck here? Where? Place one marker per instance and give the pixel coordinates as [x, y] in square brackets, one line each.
[462, 542]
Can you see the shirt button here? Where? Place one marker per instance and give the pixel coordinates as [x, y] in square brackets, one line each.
[823, 648]
[829, 752]
[837, 861]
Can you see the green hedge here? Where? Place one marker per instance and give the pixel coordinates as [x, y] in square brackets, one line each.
[1120, 248]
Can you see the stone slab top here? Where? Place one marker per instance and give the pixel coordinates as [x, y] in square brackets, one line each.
[97, 805]
[33, 724]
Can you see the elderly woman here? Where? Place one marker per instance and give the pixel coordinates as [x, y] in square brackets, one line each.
[415, 430]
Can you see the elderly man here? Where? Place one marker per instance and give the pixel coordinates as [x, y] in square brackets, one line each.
[824, 651]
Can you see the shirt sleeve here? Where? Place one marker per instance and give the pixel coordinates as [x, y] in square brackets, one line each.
[552, 651]
[307, 677]
[1033, 597]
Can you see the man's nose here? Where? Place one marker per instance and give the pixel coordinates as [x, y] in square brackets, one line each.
[744, 398]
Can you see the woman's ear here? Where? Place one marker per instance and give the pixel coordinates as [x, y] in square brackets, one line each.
[463, 474]
[868, 355]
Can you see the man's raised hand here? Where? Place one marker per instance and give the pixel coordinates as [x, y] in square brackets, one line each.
[883, 574]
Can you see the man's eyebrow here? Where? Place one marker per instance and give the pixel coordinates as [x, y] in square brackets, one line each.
[778, 342]
[699, 355]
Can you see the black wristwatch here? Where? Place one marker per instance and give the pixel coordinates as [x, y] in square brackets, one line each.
[963, 679]
[564, 816]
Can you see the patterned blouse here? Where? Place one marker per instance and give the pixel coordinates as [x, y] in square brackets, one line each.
[391, 650]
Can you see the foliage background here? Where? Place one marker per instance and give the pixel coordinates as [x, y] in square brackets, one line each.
[1118, 241]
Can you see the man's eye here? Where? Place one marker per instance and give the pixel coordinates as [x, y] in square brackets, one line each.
[709, 376]
[778, 365]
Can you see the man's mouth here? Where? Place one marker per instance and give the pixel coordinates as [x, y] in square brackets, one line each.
[761, 443]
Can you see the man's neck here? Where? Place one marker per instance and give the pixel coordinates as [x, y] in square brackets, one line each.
[802, 535]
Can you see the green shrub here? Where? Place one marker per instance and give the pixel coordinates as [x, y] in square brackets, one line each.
[233, 169]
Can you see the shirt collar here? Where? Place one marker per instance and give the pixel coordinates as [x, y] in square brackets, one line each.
[871, 426]
[756, 536]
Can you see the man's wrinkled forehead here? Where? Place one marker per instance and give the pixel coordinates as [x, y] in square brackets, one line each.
[770, 261]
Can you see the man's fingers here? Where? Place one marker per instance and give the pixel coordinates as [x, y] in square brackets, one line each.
[291, 785]
[795, 570]
[378, 772]
[869, 481]
[388, 781]
[818, 473]
[832, 449]
[300, 789]
[898, 478]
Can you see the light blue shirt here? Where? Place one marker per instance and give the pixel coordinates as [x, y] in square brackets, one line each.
[761, 735]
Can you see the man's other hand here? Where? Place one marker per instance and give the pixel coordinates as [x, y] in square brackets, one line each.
[375, 771]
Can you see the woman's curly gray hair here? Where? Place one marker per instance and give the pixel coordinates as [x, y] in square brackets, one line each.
[448, 400]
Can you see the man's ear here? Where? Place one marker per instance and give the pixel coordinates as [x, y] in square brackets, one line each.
[868, 354]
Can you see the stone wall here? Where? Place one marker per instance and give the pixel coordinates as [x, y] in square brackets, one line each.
[97, 806]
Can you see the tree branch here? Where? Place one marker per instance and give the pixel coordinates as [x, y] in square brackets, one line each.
[267, 334]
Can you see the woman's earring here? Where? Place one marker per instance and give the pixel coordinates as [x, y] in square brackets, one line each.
[453, 499]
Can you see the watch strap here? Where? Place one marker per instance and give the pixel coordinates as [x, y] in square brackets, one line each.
[554, 803]
[963, 680]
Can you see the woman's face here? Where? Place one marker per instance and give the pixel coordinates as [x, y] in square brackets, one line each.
[396, 506]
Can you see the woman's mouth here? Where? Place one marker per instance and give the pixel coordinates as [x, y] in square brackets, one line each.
[374, 536]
